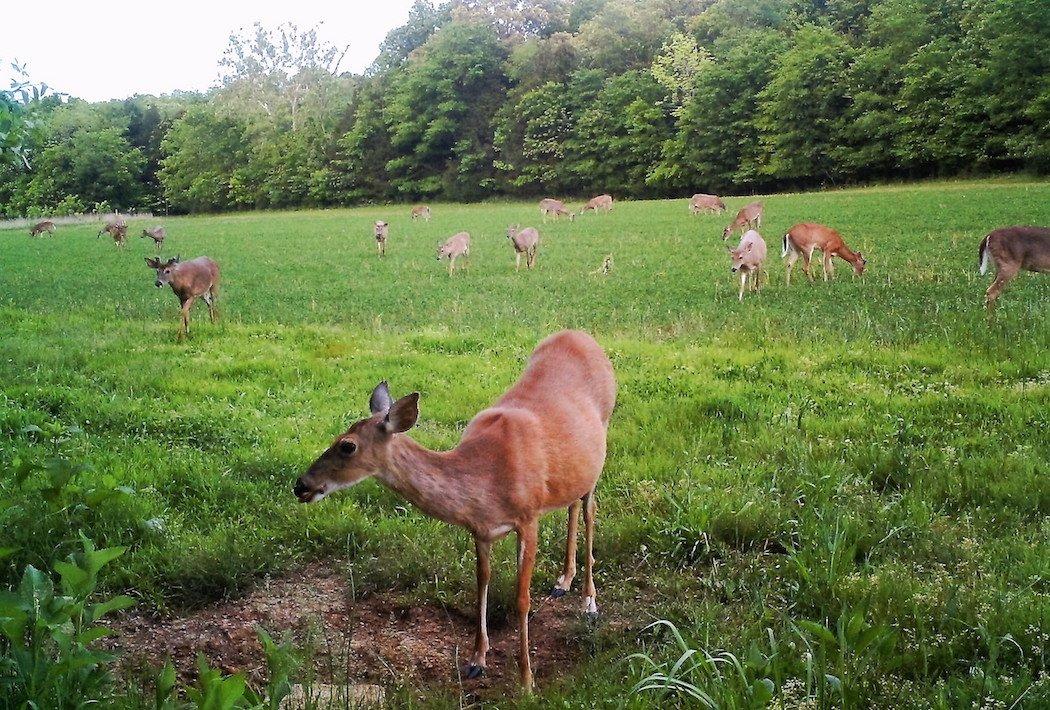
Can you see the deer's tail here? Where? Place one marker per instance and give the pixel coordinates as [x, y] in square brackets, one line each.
[786, 246]
[983, 257]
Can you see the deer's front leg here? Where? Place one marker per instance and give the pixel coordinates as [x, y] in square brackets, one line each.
[186, 305]
[568, 571]
[481, 639]
[527, 537]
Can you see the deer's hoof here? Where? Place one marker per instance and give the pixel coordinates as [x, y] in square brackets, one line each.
[474, 672]
[557, 593]
[592, 616]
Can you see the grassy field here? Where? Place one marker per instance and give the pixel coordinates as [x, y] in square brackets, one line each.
[843, 485]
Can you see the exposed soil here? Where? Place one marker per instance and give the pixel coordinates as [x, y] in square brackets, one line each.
[376, 639]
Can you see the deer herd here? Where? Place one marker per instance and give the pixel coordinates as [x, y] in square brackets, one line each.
[541, 447]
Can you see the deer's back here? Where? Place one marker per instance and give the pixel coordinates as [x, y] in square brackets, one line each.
[1027, 246]
[758, 246]
[526, 239]
[808, 234]
[196, 276]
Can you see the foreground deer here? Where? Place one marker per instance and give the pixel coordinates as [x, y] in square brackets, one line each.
[803, 239]
[555, 208]
[382, 232]
[1012, 249]
[454, 247]
[116, 228]
[706, 203]
[601, 202]
[539, 448]
[750, 217]
[525, 241]
[422, 211]
[41, 227]
[189, 280]
[157, 234]
[748, 259]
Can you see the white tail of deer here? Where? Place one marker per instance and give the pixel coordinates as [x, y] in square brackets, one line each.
[540, 447]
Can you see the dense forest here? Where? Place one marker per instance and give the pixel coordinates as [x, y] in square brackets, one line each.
[477, 98]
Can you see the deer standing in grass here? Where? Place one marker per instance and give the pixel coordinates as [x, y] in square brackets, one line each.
[748, 259]
[454, 247]
[540, 447]
[157, 234]
[555, 208]
[116, 228]
[750, 217]
[803, 239]
[706, 203]
[525, 241]
[601, 202]
[41, 227]
[1013, 249]
[196, 278]
[421, 211]
[382, 232]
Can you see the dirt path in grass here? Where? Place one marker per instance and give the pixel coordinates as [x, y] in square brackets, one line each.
[376, 639]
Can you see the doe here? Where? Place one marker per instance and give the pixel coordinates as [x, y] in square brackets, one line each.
[1012, 249]
[525, 241]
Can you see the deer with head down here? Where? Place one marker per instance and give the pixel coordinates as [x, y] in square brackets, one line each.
[601, 202]
[748, 260]
[41, 227]
[541, 447]
[190, 280]
[1013, 249]
[157, 234]
[554, 208]
[749, 217]
[421, 212]
[803, 239]
[525, 241]
[706, 203]
[382, 231]
[454, 247]
[116, 228]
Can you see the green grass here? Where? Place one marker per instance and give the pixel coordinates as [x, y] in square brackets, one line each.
[883, 432]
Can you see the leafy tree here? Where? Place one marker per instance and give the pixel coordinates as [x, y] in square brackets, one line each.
[677, 68]
[203, 154]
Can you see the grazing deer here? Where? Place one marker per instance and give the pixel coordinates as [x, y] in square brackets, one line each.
[189, 280]
[540, 447]
[601, 202]
[555, 208]
[41, 227]
[1012, 249]
[454, 247]
[116, 228]
[157, 234]
[750, 217]
[606, 268]
[525, 241]
[748, 259]
[382, 232]
[422, 211]
[706, 203]
[803, 239]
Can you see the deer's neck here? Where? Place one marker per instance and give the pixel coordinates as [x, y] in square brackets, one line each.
[433, 481]
[848, 254]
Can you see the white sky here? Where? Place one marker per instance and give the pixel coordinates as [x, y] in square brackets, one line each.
[111, 49]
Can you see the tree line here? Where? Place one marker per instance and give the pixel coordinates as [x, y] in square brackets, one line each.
[640, 98]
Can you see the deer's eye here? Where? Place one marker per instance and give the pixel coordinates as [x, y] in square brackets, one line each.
[347, 448]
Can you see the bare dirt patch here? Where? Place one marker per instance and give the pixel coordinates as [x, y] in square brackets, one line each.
[381, 638]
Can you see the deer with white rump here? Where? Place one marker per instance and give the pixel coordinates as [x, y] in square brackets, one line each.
[382, 231]
[803, 239]
[41, 227]
[421, 212]
[706, 203]
[1012, 249]
[525, 241]
[750, 217]
[555, 208]
[190, 280]
[540, 447]
[454, 247]
[748, 259]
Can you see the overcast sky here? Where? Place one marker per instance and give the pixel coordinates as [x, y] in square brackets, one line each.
[114, 49]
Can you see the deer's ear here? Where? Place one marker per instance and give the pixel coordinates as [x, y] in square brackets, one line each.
[151, 262]
[403, 414]
[380, 401]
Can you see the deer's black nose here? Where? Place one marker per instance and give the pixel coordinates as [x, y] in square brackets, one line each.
[299, 489]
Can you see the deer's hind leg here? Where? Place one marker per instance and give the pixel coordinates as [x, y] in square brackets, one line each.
[481, 639]
[1003, 276]
[590, 595]
[186, 306]
[209, 297]
[568, 571]
[527, 539]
